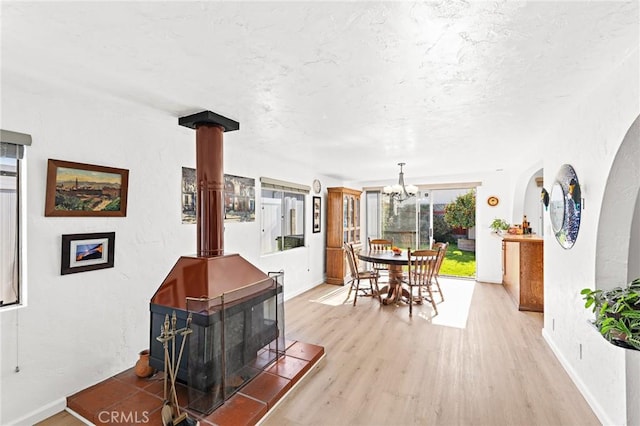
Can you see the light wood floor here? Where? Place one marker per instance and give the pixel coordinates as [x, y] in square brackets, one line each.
[479, 362]
[61, 419]
[383, 368]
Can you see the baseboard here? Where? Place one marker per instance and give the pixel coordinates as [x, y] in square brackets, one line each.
[302, 290]
[597, 408]
[78, 416]
[42, 413]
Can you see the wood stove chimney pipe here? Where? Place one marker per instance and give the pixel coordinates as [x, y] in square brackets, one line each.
[209, 128]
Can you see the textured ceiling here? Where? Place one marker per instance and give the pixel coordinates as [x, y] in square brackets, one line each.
[349, 87]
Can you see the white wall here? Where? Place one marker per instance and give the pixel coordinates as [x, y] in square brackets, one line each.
[81, 328]
[588, 139]
[617, 254]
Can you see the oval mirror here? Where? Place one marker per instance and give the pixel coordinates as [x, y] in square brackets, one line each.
[556, 207]
[565, 206]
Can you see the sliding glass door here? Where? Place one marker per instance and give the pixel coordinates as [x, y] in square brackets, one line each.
[399, 221]
[419, 222]
[408, 223]
[425, 220]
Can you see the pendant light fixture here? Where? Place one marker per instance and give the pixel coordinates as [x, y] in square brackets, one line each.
[400, 192]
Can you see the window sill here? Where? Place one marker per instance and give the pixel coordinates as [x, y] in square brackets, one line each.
[275, 253]
[13, 307]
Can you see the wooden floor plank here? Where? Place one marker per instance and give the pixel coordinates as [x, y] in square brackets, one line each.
[61, 419]
[384, 368]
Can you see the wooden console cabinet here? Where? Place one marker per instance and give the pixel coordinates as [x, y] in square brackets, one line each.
[523, 271]
[343, 226]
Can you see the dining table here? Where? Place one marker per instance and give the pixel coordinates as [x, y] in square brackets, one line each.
[395, 291]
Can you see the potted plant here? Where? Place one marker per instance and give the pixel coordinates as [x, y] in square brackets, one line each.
[617, 313]
[499, 225]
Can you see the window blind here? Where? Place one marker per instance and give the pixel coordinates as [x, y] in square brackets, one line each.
[12, 144]
[268, 183]
[14, 137]
[9, 150]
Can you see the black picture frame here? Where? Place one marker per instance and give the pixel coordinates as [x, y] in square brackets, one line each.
[87, 252]
[317, 214]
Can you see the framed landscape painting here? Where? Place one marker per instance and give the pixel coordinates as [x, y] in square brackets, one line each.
[87, 252]
[77, 189]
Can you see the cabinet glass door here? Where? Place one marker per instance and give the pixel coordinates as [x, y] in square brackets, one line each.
[345, 213]
[356, 220]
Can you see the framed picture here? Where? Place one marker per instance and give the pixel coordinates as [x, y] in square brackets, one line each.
[77, 189]
[316, 214]
[87, 252]
[239, 197]
[189, 189]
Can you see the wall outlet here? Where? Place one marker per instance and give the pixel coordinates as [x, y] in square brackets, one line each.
[580, 350]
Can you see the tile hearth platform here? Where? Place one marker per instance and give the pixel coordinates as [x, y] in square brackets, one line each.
[140, 400]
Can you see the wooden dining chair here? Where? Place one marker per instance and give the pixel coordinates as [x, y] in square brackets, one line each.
[357, 275]
[422, 267]
[442, 252]
[379, 244]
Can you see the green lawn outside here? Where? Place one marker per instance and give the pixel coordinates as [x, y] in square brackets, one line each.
[459, 263]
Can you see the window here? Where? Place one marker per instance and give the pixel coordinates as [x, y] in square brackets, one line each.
[10, 270]
[283, 208]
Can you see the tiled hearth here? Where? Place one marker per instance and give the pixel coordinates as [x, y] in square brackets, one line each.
[127, 397]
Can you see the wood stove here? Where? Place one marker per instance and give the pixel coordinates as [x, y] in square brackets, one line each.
[237, 310]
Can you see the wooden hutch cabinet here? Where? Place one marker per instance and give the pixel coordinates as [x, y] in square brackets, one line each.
[343, 226]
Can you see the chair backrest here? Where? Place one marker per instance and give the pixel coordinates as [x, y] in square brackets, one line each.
[442, 252]
[422, 266]
[380, 244]
[351, 259]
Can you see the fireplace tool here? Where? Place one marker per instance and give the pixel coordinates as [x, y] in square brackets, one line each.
[171, 415]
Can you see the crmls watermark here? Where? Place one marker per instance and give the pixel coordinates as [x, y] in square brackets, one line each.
[123, 417]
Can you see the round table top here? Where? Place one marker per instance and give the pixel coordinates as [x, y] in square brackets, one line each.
[386, 257]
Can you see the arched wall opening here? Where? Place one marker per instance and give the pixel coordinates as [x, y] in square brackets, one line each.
[617, 212]
[532, 207]
[633, 270]
[618, 245]
[526, 198]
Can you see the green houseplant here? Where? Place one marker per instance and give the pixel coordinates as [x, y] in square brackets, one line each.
[499, 225]
[617, 313]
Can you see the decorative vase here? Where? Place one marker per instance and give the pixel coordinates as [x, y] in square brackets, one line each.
[143, 369]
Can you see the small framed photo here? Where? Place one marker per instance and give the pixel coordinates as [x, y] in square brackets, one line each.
[78, 189]
[316, 214]
[87, 252]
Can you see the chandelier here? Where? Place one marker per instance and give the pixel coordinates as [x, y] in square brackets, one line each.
[400, 192]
